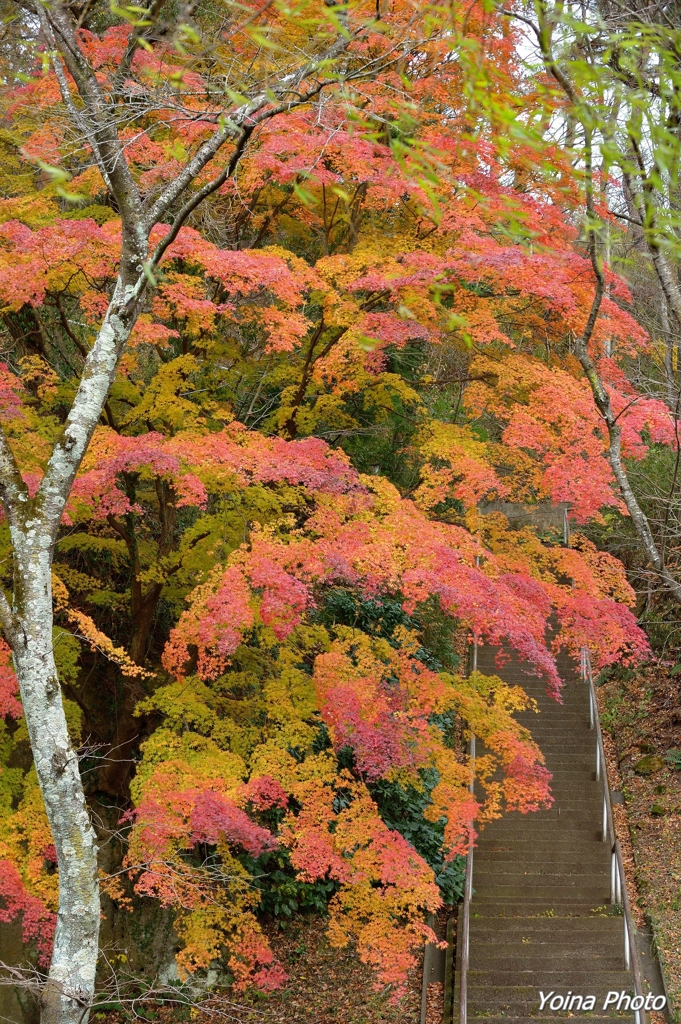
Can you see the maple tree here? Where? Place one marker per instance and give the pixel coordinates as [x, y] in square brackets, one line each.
[276, 340]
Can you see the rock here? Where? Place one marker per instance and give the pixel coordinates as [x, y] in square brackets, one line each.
[649, 764]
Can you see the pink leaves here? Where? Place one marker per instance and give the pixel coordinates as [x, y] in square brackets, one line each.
[9, 685]
[194, 462]
[214, 625]
[401, 552]
[33, 262]
[214, 817]
[38, 923]
[11, 391]
[284, 598]
[378, 745]
[181, 811]
[550, 414]
[526, 783]
[264, 793]
[223, 607]
[170, 817]
[607, 628]
[110, 455]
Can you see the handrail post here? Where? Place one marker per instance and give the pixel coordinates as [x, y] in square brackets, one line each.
[627, 950]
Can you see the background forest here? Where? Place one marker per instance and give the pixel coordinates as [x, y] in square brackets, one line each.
[299, 305]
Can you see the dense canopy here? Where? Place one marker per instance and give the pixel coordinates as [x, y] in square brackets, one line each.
[298, 305]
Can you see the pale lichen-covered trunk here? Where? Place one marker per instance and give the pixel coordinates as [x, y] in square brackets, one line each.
[68, 993]
[34, 524]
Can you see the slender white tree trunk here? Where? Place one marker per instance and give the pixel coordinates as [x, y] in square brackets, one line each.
[68, 993]
[34, 524]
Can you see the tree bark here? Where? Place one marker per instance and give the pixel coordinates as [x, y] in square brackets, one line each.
[33, 524]
[70, 985]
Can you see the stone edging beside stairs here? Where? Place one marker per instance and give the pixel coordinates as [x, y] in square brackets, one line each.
[650, 963]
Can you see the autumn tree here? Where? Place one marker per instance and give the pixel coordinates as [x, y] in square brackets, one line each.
[148, 71]
[611, 85]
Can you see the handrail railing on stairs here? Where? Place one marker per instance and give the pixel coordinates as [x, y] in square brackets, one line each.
[618, 882]
[463, 936]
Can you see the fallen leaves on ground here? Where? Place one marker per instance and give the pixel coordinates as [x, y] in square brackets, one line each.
[640, 712]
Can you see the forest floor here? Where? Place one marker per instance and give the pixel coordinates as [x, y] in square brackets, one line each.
[326, 986]
[641, 712]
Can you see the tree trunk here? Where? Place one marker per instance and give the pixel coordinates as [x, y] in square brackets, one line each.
[34, 524]
[68, 992]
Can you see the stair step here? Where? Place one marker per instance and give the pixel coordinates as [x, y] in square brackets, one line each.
[510, 911]
[530, 881]
[486, 864]
[525, 940]
[539, 890]
[524, 844]
[624, 1019]
[539, 930]
[553, 830]
[532, 873]
[588, 809]
[486, 905]
[483, 995]
[535, 960]
[541, 967]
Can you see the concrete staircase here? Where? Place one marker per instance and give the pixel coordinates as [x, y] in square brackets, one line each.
[540, 914]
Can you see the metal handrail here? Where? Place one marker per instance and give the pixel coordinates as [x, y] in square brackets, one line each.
[465, 936]
[618, 882]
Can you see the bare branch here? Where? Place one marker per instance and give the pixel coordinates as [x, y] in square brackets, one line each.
[243, 117]
[69, 102]
[13, 490]
[98, 119]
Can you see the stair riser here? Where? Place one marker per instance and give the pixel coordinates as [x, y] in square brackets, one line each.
[550, 1020]
[503, 938]
[548, 892]
[540, 956]
[544, 940]
[558, 841]
[598, 868]
[569, 910]
[551, 874]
